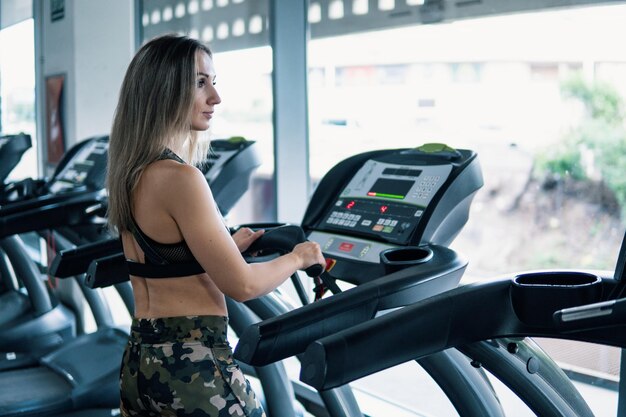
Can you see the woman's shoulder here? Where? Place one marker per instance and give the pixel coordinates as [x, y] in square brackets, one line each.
[169, 169]
[172, 175]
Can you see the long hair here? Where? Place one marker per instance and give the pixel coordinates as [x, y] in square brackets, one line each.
[153, 113]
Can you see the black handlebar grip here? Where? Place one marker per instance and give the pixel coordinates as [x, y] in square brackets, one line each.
[314, 270]
[282, 239]
[106, 271]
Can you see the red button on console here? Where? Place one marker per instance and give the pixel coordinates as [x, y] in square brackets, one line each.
[346, 247]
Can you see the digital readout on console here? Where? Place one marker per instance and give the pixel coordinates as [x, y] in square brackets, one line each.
[370, 207]
[390, 188]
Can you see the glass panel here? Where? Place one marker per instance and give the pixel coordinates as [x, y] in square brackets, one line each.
[244, 82]
[17, 91]
[545, 115]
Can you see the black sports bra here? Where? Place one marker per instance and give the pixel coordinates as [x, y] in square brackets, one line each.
[163, 260]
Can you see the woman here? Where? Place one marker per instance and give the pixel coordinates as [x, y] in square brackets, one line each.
[182, 259]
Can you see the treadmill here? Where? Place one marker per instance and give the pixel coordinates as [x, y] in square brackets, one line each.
[337, 336]
[42, 323]
[565, 304]
[12, 147]
[383, 220]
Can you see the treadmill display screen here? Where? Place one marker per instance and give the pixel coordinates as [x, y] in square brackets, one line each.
[386, 200]
[390, 188]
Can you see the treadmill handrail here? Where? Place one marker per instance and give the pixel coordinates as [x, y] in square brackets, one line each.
[106, 271]
[460, 316]
[51, 215]
[75, 261]
[43, 200]
[289, 334]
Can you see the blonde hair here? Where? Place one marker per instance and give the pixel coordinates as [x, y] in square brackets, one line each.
[153, 113]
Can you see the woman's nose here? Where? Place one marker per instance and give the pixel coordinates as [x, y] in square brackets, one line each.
[214, 97]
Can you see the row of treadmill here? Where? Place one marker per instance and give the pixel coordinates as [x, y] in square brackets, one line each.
[384, 220]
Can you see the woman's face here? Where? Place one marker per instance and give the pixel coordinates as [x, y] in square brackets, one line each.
[206, 96]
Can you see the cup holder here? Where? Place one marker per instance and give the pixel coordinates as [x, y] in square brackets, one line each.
[536, 296]
[395, 259]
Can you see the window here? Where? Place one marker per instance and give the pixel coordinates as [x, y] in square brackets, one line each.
[17, 90]
[531, 108]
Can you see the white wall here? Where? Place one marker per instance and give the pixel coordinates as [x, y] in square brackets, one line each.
[14, 11]
[92, 46]
[104, 44]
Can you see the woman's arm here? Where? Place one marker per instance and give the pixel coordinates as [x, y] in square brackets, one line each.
[189, 201]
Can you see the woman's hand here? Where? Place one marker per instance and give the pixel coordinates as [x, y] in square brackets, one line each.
[309, 254]
[245, 236]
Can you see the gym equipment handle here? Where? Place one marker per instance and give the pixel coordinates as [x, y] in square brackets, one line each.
[282, 239]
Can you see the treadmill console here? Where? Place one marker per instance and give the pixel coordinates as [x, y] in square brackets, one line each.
[228, 169]
[221, 152]
[85, 170]
[386, 200]
[381, 201]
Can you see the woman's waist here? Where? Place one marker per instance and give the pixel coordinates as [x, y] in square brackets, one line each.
[177, 297]
[207, 329]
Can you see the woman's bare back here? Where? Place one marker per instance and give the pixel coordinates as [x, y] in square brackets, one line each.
[165, 297]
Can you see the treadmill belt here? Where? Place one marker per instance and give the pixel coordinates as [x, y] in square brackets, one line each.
[33, 388]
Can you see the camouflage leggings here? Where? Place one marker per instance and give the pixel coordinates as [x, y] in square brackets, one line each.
[183, 366]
